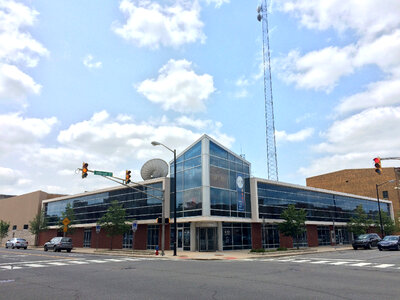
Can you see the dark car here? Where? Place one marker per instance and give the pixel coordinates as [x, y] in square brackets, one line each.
[17, 243]
[366, 241]
[58, 244]
[389, 242]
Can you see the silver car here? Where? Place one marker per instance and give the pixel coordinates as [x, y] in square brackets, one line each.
[17, 243]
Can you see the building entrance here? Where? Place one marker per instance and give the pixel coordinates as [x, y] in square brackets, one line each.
[207, 238]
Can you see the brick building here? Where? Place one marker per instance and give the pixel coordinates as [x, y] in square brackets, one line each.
[363, 182]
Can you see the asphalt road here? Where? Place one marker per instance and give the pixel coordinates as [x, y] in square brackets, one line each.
[362, 274]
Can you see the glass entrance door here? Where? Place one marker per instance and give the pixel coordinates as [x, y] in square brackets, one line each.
[87, 237]
[339, 236]
[179, 242]
[207, 238]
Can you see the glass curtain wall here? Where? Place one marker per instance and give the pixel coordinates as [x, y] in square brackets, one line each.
[324, 235]
[229, 181]
[273, 199]
[270, 236]
[188, 183]
[236, 236]
[139, 205]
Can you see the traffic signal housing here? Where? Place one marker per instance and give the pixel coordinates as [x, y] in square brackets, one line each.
[127, 176]
[378, 165]
[159, 221]
[84, 169]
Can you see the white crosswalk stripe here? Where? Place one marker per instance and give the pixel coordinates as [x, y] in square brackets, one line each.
[78, 262]
[320, 262]
[384, 266]
[10, 267]
[57, 263]
[361, 264]
[339, 263]
[302, 261]
[34, 265]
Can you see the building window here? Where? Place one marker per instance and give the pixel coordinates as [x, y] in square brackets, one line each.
[324, 235]
[26, 226]
[152, 236]
[14, 227]
[87, 237]
[385, 194]
[270, 236]
[236, 236]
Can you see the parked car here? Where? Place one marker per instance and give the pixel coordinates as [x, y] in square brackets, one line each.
[366, 241]
[389, 242]
[58, 244]
[17, 243]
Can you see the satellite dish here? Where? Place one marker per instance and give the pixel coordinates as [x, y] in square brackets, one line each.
[154, 168]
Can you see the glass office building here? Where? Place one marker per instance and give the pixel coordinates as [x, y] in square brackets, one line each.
[219, 207]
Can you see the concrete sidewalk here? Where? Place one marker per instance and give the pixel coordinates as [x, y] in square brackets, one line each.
[223, 255]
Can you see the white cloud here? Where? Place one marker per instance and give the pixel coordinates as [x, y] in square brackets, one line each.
[17, 131]
[178, 87]
[282, 136]
[16, 84]
[8, 177]
[17, 47]
[354, 141]
[198, 123]
[151, 25]
[218, 3]
[368, 17]
[381, 93]
[319, 70]
[90, 64]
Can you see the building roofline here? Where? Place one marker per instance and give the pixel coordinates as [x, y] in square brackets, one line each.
[340, 171]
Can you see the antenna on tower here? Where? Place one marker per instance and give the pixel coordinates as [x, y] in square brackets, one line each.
[272, 164]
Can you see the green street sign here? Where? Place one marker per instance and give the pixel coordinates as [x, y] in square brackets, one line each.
[102, 173]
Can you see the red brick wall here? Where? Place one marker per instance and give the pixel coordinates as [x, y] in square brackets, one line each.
[140, 241]
[47, 236]
[256, 238]
[285, 241]
[312, 235]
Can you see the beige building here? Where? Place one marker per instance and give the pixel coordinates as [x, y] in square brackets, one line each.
[363, 182]
[19, 210]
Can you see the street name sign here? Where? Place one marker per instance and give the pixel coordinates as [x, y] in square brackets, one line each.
[102, 173]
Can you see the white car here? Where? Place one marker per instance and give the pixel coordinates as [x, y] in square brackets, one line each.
[17, 243]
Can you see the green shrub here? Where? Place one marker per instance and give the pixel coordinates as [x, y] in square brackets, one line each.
[282, 249]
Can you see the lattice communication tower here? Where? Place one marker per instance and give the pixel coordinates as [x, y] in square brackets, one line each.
[268, 99]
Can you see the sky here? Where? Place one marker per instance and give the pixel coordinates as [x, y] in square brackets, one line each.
[97, 82]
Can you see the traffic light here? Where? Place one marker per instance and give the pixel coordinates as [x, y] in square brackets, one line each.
[84, 169]
[159, 221]
[378, 166]
[127, 176]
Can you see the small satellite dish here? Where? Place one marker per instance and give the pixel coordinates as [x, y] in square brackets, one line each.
[259, 18]
[154, 168]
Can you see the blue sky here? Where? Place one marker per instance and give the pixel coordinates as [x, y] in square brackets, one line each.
[98, 82]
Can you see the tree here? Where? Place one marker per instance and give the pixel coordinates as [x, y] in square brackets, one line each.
[113, 221]
[68, 213]
[360, 223]
[4, 226]
[389, 227]
[294, 224]
[37, 225]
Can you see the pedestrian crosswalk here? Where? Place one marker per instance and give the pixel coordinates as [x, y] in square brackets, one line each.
[332, 262]
[65, 262]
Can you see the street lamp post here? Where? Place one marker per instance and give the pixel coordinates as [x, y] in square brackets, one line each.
[379, 204]
[174, 191]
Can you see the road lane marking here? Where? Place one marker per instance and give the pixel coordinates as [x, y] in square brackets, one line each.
[34, 265]
[320, 262]
[113, 259]
[339, 263]
[285, 260]
[10, 267]
[57, 263]
[96, 261]
[302, 261]
[78, 262]
[28, 262]
[361, 264]
[383, 266]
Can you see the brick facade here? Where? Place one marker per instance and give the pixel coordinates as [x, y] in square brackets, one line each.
[256, 238]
